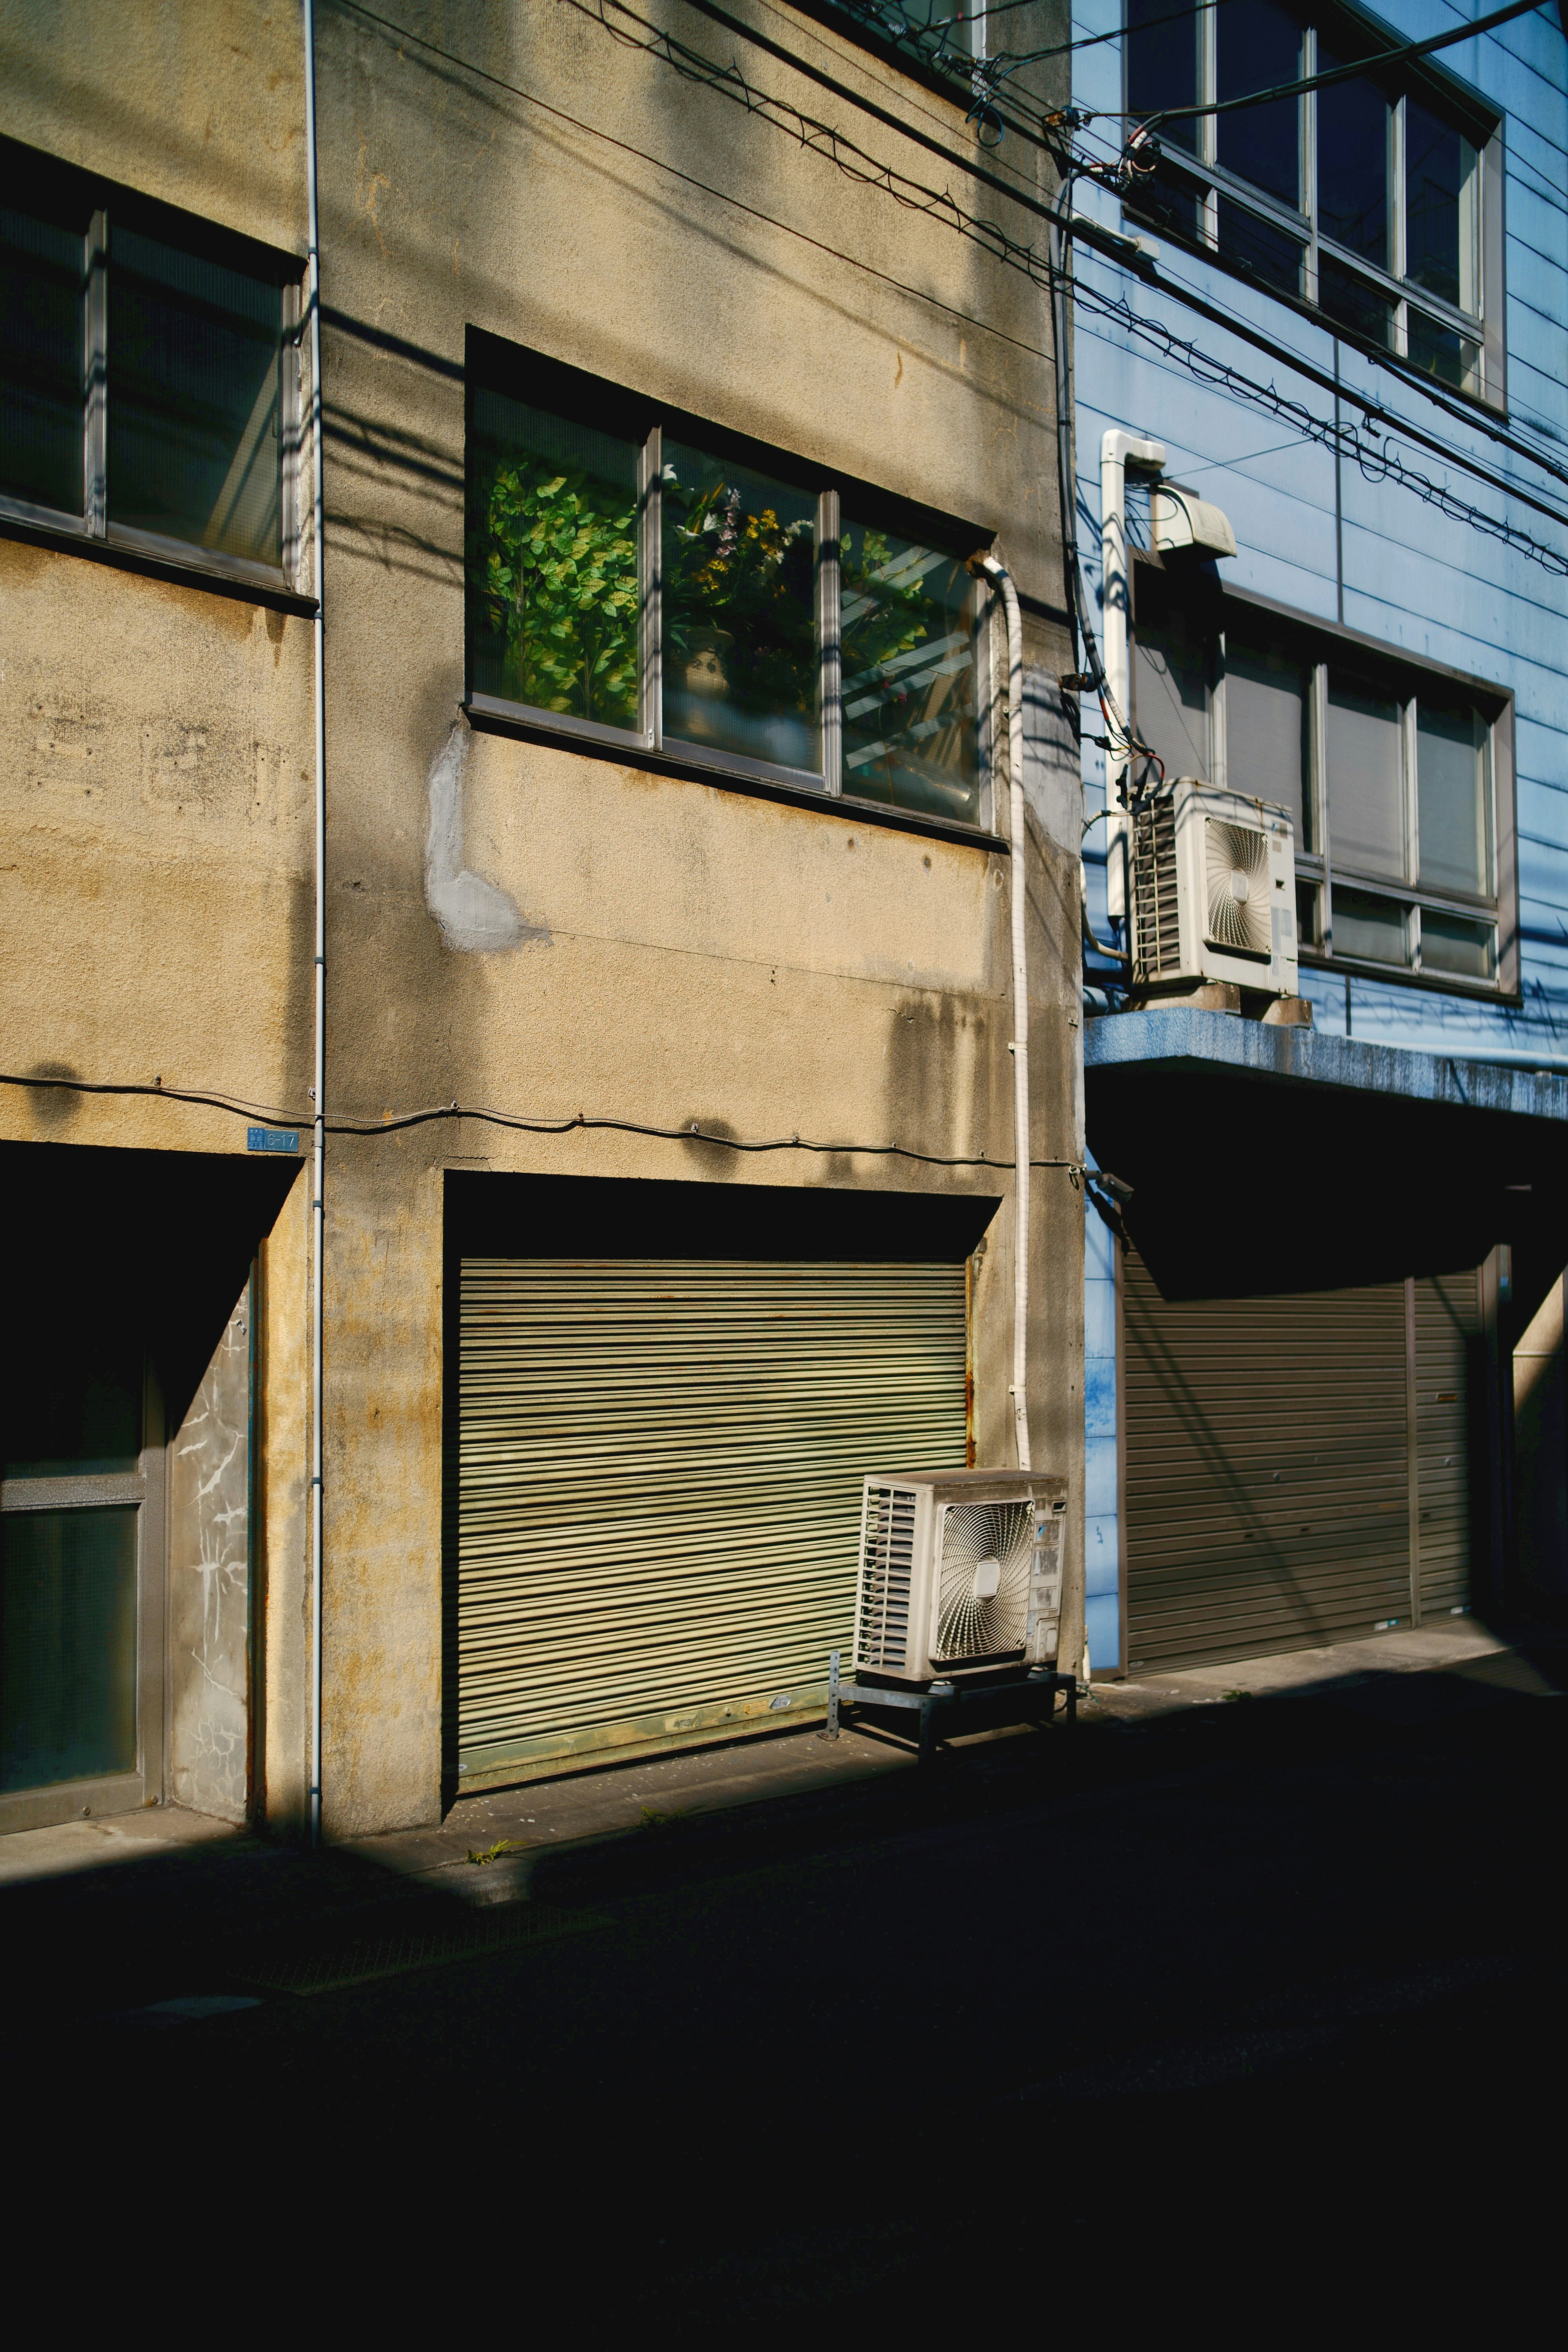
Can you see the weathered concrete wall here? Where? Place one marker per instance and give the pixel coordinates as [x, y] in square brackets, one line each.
[547, 931]
[155, 787]
[683, 952]
[208, 1618]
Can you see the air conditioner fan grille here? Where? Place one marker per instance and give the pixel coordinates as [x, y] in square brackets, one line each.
[982, 1600]
[1236, 887]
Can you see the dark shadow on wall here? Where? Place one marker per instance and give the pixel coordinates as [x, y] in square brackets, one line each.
[128, 1252]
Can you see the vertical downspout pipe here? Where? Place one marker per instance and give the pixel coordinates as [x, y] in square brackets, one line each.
[999, 580]
[1115, 448]
[319, 1140]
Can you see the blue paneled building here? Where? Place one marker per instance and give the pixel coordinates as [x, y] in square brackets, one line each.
[1320, 354]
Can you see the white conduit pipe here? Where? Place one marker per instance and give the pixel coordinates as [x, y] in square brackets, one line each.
[1115, 448]
[1000, 580]
[319, 1140]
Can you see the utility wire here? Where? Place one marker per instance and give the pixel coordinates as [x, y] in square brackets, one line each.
[396, 1122]
[693, 66]
[1378, 62]
[857, 165]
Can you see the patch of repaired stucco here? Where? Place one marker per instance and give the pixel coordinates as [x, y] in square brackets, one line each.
[473, 914]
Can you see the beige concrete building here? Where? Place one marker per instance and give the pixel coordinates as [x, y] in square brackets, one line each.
[668, 1096]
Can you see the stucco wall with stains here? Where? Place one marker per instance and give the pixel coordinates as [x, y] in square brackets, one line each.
[518, 924]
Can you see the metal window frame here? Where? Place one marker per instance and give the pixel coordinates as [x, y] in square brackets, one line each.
[1485, 328]
[93, 524]
[1319, 643]
[826, 783]
[146, 1489]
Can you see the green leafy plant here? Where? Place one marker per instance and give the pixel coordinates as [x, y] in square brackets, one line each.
[746, 578]
[480, 1855]
[560, 584]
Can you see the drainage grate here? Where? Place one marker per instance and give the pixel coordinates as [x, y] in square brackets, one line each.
[503, 1928]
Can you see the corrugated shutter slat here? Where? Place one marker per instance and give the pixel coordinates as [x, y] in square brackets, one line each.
[658, 1484]
[1267, 1485]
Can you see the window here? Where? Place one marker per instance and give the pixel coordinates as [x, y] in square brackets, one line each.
[147, 394]
[937, 40]
[81, 1545]
[1395, 778]
[1363, 199]
[641, 578]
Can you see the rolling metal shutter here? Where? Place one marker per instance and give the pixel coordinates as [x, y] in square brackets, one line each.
[1447, 1331]
[658, 1490]
[1266, 1471]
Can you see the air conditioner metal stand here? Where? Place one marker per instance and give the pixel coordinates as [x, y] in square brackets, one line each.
[1018, 1700]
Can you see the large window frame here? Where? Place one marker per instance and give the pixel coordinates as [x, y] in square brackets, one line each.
[107, 210]
[143, 1490]
[1197, 170]
[555, 389]
[1324, 650]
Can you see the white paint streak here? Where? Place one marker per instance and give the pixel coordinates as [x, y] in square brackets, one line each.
[474, 915]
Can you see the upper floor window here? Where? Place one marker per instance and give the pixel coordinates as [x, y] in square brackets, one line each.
[639, 577]
[940, 38]
[147, 390]
[1365, 199]
[1396, 777]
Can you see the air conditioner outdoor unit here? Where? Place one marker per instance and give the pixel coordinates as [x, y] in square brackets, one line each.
[1214, 889]
[960, 1572]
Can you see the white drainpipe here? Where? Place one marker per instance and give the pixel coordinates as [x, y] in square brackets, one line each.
[317, 1147]
[1115, 449]
[999, 579]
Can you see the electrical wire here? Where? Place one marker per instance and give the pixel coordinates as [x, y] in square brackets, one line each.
[1112, 159]
[397, 1122]
[856, 163]
[1379, 62]
[913, 194]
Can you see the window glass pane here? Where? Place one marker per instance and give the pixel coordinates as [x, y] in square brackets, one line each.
[195, 439]
[1259, 45]
[1162, 63]
[1442, 351]
[739, 612]
[43, 286]
[1170, 692]
[943, 23]
[1366, 781]
[1308, 903]
[910, 717]
[936, 30]
[1266, 735]
[1373, 929]
[1452, 943]
[1167, 199]
[1270, 253]
[554, 598]
[1348, 298]
[1352, 163]
[1440, 185]
[68, 1645]
[1453, 790]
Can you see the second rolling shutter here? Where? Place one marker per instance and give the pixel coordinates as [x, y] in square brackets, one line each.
[1267, 1489]
[1270, 1475]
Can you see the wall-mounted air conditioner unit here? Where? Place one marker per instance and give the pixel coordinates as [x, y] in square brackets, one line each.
[960, 1571]
[1214, 889]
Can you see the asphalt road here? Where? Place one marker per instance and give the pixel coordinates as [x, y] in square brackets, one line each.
[1261, 1994]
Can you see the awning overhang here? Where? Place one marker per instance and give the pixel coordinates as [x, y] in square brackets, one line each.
[1267, 1159]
